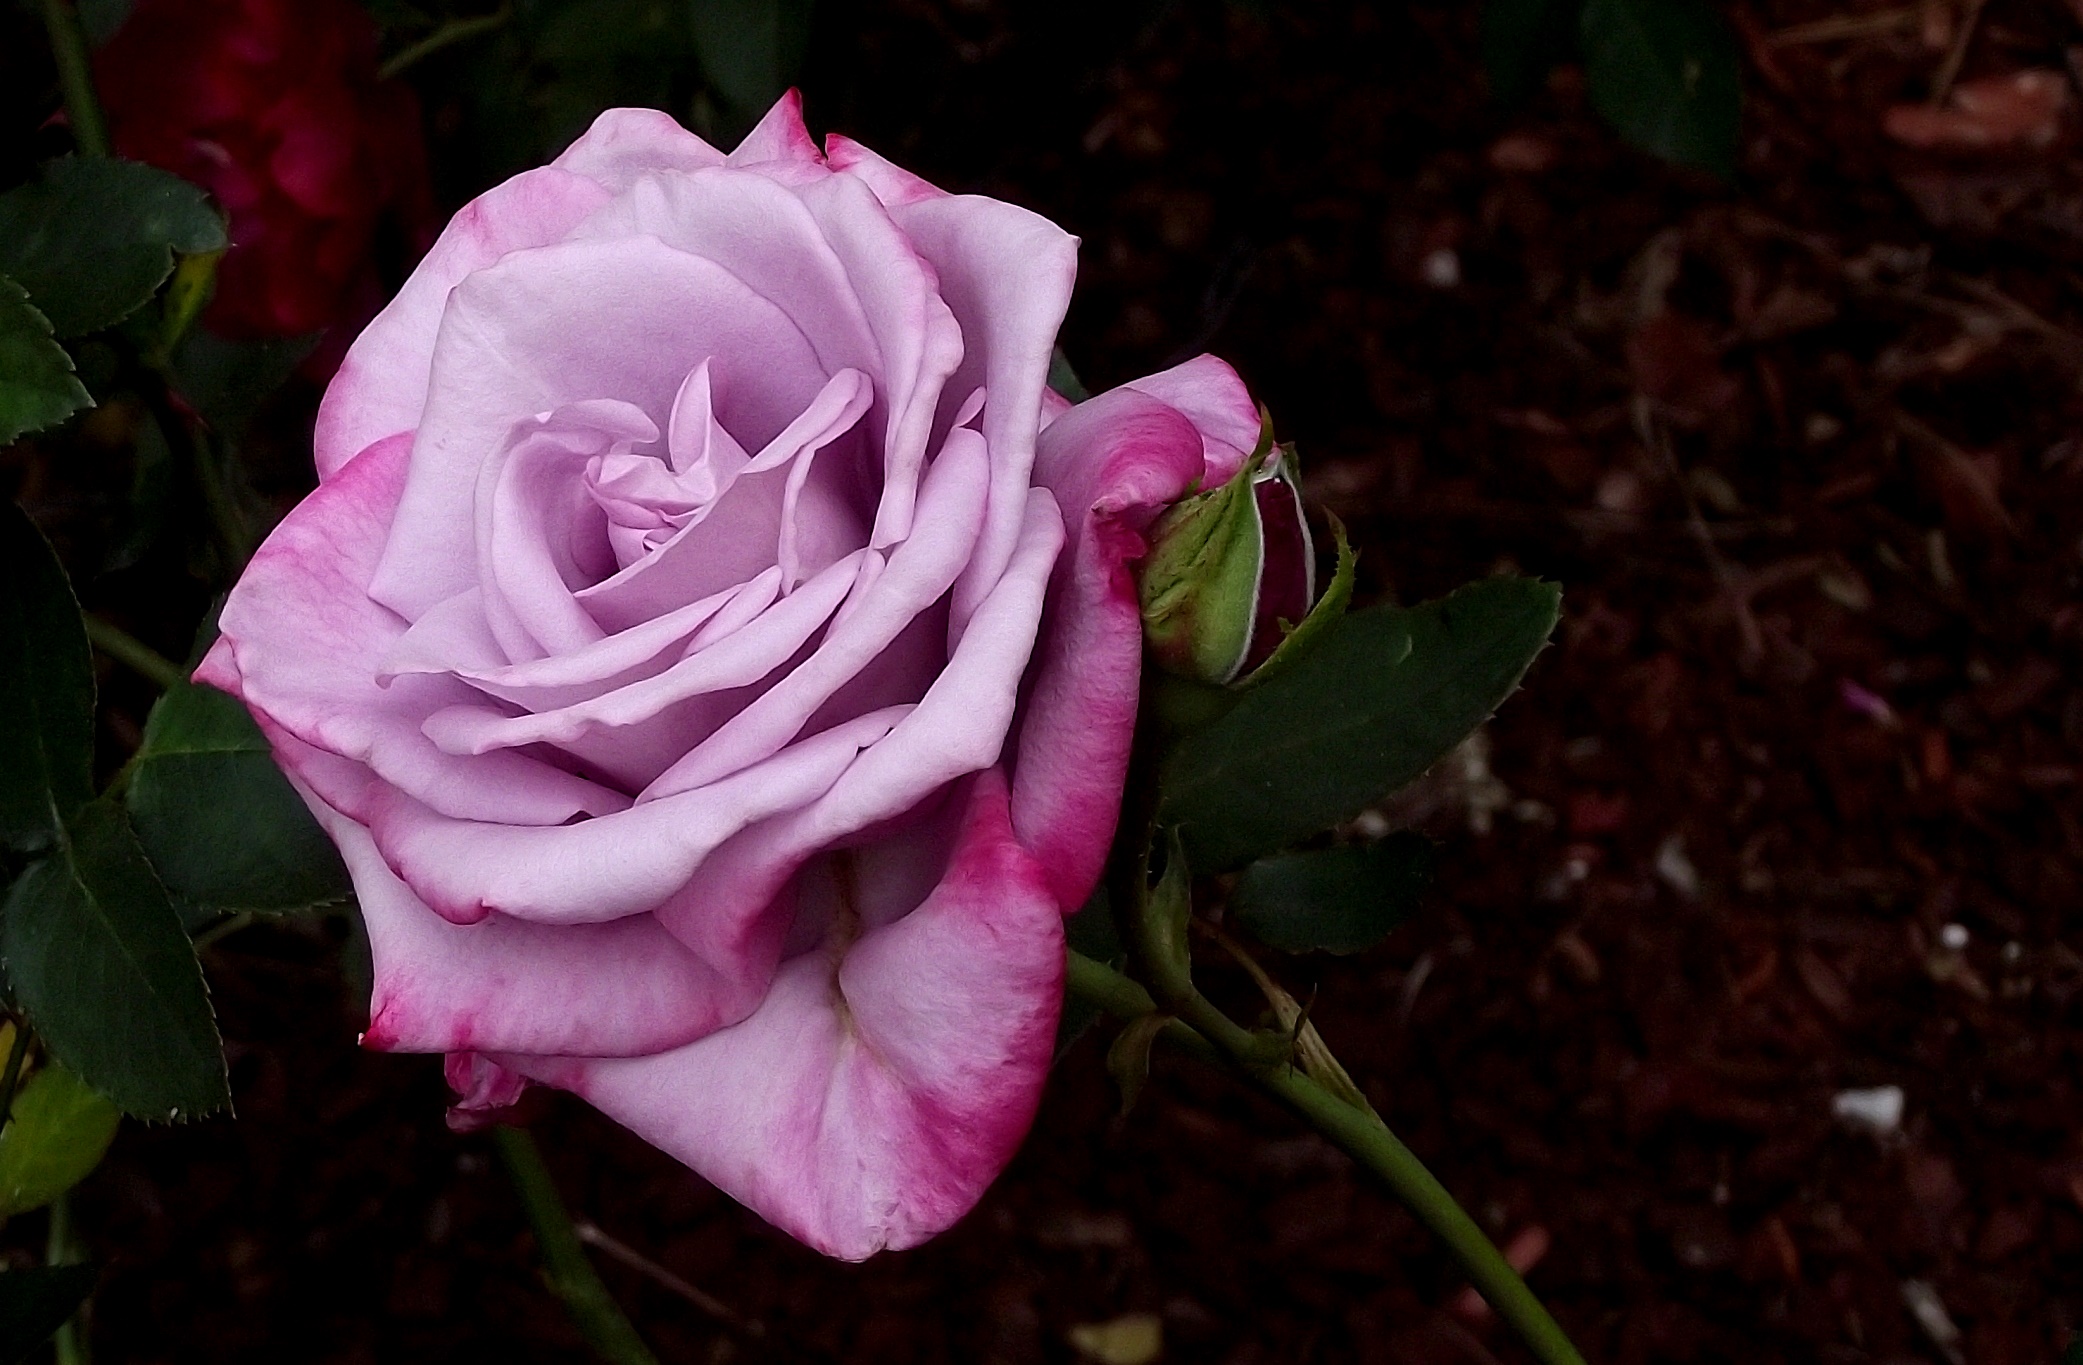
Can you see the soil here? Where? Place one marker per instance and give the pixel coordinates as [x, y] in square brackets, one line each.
[1790, 809]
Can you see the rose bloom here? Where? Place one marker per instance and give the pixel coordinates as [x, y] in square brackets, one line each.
[275, 108]
[714, 651]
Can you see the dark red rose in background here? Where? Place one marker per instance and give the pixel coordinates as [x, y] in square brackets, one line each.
[275, 107]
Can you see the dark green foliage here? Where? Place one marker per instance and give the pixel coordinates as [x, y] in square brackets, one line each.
[1334, 900]
[100, 964]
[1378, 700]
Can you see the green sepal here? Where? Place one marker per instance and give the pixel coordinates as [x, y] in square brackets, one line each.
[1128, 1058]
[1329, 609]
[1199, 583]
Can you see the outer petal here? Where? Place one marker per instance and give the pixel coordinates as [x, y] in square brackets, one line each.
[620, 989]
[1211, 396]
[382, 383]
[870, 1106]
[1007, 275]
[625, 145]
[892, 184]
[1112, 462]
[779, 137]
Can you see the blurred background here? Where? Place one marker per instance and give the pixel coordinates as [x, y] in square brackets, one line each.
[1744, 1010]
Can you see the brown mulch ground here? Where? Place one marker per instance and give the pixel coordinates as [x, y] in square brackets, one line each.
[1792, 808]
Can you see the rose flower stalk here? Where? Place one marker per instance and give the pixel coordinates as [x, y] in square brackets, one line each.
[714, 651]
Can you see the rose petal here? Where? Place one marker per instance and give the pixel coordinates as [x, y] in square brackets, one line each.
[771, 509]
[1215, 400]
[763, 233]
[433, 646]
[381, 385]
[620, 989]
[531, 499]
[917, 573]
[916, 337]
[892, 184]
[625, 145]
[610, 866]
[959, 727]
[563, 324]
[870, 1106]
[1112, 462]
[737, 660]
[301, 644]
[1007, 274]
[779, 136]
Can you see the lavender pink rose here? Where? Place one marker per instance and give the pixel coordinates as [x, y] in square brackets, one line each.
[713, 649]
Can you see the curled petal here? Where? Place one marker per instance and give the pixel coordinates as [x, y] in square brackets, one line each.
[917, 574]
[485, 1091]
[779, 136]
[892, 184]
[302, 645]
[1208, 393]
[1007, 274]
[1113, 462]
[619, 989]
[869, 1106]
[611, 866]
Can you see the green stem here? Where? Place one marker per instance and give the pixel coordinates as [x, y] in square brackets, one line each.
[1367, 1140]
[225, 517]
[75, 77]
[454, 31]
[1124, 997]
[599, 1320]
[13, 1075]
[133, 653]
[70, 1341]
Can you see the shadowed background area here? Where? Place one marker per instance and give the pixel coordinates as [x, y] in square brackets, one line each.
[1791, 810]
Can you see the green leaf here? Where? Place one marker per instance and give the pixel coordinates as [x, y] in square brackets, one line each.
[99, 961]
[93, 238]
[35, 1303]
[1333, 900]
[1522, 39]
[57, 1136]
[37, 386]
[749, 49]
[46, 690]
[1664, 74]
[1382, 695]
[220, 823]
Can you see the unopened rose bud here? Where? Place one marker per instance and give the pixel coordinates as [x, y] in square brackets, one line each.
[1228, 571]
